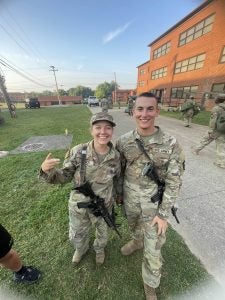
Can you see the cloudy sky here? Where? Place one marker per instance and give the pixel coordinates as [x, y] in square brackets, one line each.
[87, 41]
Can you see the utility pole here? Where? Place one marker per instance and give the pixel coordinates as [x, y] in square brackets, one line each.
[54, 70]
[10, 105]
[115, 87]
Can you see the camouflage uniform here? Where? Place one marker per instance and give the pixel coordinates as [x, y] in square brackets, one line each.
[189, 113]
[104, 105]
[138, 190]
[213, 134]
[101, 176]
[130, 106]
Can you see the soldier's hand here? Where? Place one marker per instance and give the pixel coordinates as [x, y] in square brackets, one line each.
[49, 163]
[162, 225]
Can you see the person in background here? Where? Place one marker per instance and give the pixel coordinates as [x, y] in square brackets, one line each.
[188, 109]
[215, 133]
[105, 105]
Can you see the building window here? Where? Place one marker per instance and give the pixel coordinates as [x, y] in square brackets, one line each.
[159, 73]
[163, 50]
[222, 58]
[196, 31]
[141, 83]
[142, 71]
[190, 64]
[184, 92]
[218, 88]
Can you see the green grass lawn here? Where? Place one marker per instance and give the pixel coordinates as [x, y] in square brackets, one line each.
[36, 215]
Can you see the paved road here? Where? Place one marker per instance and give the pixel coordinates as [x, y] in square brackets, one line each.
[201, 202]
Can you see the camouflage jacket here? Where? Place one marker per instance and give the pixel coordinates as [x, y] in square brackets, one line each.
[217, 109]
[168, 159]
[101, 175]
[104, 103]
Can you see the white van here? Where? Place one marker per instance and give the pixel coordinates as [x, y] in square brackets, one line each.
[93, 101]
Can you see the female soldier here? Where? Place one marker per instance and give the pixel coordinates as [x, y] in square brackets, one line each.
[96, 162]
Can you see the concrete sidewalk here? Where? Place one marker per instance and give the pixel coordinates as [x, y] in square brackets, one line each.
[201, 202]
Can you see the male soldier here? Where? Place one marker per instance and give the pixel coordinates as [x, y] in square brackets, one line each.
[214, 134]
[105, 105]
[10, 259]
[187, 110]
[148, 220]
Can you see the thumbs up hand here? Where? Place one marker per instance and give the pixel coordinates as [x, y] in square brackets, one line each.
[49, 163]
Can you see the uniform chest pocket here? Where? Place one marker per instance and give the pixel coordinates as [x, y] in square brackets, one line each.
[161, 159]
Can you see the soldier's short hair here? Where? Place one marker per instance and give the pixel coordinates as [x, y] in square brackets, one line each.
[149, 95]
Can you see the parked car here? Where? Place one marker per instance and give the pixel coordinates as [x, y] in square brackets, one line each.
[32, 103]
[85, 101]
[93, 101]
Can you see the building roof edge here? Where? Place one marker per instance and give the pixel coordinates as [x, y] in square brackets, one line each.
[195, 11]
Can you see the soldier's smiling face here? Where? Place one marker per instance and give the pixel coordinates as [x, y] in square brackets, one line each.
[102, 132]
[145, 111]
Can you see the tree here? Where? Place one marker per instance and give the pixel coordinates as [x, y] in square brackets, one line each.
[63, 92]
[104, 90]
[33, 94]
[81, 91]
[46, 93]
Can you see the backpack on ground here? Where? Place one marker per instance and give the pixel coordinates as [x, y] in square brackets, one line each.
[220, 122]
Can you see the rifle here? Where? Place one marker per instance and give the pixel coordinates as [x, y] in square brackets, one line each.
[96, 205]
[150, 171]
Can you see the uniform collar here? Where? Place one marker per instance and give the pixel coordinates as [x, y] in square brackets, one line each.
[91, 151]
[155, 138]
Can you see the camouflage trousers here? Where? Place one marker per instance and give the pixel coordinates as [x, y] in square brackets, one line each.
[140, 214]
[220, 151]
[220, 147]
[188, 116]
[80, 223]
[206, 140]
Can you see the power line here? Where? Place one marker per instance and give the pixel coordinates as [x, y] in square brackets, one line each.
[34, 49]
[4, 63]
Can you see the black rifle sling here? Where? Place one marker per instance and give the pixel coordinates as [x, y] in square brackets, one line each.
[155, 176]
[83, 164]
[141, 147]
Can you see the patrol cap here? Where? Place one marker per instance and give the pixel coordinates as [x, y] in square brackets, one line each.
[102, 116]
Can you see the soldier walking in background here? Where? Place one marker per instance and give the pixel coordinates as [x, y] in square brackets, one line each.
[119, 102]
[216, 132]
[130, 105]
[98, 163]
[189, 109]
[105, 105]
[143, 150]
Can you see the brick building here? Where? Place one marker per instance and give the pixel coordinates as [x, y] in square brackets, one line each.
[53, 100]
[189, 58]
[122, 95]
[15, 97]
